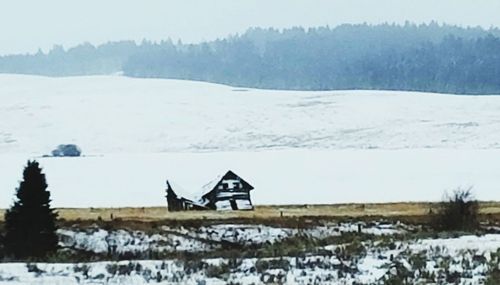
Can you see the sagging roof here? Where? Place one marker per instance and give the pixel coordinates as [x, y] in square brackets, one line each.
[181, 192]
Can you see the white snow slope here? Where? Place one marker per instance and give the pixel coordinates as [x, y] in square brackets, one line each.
[112, 114]
[295, 147]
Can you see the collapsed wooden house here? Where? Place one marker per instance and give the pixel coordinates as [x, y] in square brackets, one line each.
[227, 192]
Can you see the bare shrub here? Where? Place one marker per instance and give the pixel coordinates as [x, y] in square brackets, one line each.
[217, 271]
[458, 212]
[263, 265]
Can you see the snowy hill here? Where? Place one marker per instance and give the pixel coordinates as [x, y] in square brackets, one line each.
[294, 147]
[112, 114]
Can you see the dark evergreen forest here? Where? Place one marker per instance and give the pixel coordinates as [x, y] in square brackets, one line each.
[430, 57]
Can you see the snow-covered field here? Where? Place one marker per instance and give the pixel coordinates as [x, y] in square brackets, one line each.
[467, 259]
[113, 114]
[202, 239]
[294, 147]
[279, 177]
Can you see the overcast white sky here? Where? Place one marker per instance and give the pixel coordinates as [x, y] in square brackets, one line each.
[26, 25]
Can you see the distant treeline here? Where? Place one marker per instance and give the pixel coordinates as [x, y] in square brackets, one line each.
[431, 57]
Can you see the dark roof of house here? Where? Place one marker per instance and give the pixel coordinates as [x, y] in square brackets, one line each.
[209, 187]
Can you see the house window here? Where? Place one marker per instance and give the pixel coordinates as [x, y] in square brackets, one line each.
[224, 186]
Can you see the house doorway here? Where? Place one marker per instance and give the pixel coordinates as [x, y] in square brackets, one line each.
[233, 204]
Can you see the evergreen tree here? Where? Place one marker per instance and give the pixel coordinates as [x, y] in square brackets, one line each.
[30, 229]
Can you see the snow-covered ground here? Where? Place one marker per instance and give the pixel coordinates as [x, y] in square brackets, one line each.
[113, 114]
[205, 238]
[279, 177]
[461, 260]
[295, 147]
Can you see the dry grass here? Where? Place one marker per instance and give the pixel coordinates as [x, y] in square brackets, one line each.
[152, 214]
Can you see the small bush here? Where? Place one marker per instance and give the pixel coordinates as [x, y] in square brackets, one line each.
[387, 242]
[126, 269]
[217, 271]
[264, 265]
[351, 251]
[418, 261]
[112, 268]
[83, 268]
[194, 265]
[398, 274]
[493, 277]
[34, 269]
[121, 269]
[458, 212]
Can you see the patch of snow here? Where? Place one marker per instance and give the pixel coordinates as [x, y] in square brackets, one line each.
[121, 241]
[480, 244]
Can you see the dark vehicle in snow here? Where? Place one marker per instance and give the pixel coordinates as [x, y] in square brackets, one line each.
[67, 150]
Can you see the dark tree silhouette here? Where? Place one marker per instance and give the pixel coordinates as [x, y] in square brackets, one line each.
[30, 229]
[427, 57]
